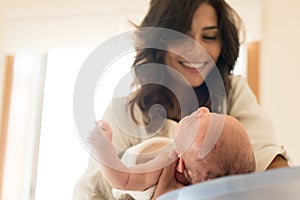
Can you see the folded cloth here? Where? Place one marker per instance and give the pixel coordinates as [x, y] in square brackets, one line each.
[141, 153]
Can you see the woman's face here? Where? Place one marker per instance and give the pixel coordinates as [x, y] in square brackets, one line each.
[204, 31]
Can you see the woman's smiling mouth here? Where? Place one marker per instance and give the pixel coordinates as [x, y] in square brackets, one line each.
[193, 67]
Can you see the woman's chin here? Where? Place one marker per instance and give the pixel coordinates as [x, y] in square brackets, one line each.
[196, 83]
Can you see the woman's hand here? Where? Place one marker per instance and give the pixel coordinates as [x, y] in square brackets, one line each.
[167, 181]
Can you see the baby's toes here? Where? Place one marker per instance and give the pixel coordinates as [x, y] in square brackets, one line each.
[104, 125]
[107, 131]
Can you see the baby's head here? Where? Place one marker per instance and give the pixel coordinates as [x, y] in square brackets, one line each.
[212, 145]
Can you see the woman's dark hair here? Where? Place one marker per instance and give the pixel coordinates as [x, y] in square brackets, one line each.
[177, 15]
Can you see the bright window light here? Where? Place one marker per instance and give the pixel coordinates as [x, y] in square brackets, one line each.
[241, 63]
[62, 157]
[23, 126]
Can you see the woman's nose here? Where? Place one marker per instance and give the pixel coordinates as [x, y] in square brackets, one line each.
[194, 50]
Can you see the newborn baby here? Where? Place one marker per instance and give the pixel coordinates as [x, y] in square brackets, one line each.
[208, 146]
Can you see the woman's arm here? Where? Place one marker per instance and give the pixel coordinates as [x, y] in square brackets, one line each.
[242, 105]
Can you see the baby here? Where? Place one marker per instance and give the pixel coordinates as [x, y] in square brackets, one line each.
[207, 146]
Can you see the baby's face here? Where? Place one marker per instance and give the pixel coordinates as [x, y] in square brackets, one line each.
[212, 145]
[191, 129]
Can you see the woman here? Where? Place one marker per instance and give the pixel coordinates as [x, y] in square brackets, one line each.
[215, 26]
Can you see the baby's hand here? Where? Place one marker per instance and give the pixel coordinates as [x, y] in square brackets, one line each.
[100, 139]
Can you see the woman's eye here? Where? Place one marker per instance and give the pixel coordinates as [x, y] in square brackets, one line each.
[209, 37]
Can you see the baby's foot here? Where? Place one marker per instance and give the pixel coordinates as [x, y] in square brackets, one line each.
[100, 139]
[104, 126]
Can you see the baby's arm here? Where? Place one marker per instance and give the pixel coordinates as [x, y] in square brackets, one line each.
[118, 175]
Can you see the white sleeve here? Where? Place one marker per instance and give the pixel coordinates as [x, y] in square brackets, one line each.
[85, 187]
[242, 105]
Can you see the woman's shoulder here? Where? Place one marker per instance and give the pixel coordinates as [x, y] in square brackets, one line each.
[119, 101]
[240, 94]
[120, 106]
[239, 86]
[116, 106]
[237, 80]
[118, 112]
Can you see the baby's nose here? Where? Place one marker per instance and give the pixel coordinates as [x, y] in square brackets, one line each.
[200, 111]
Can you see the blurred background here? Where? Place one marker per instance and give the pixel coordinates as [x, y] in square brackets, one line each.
[43, 44]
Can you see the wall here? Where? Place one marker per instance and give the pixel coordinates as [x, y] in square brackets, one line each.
[251, 13]
[41, 26]
[274, 23]
[1, 58]
[2, 73]
[2, 63]
[280, 93]
[33, 25]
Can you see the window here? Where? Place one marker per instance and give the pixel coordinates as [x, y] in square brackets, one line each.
[62, 158]
[23, 126]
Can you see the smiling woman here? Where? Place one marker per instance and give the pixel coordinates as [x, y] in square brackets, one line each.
[204, 31]
[195, 18]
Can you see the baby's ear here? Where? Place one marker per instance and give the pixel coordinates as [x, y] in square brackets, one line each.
[180, 166]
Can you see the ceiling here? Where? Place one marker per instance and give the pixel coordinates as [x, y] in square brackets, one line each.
[40, 8]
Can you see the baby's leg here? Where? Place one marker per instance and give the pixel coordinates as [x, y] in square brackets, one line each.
[113, 170]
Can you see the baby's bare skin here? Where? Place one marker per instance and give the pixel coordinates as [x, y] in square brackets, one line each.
[227, 151]
[209, 145]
